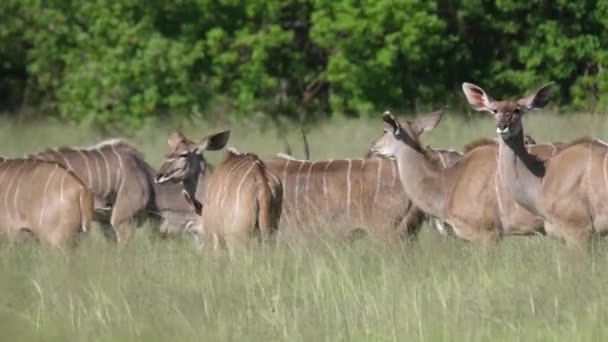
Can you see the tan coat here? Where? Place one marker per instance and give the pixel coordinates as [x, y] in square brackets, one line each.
[123, 186]
[240, 199]
[43, 198]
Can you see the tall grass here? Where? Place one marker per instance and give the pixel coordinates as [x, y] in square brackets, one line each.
[316, 289]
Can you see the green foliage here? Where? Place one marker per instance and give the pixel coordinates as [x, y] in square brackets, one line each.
[526, 44]
[118, 63]
[387, 53]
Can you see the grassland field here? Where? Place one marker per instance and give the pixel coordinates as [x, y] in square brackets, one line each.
[436, 289]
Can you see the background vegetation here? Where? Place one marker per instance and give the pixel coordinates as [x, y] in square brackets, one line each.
[527, 289]
[121, 63]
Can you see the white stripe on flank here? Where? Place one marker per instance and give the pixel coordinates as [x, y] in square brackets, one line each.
[227, 181]
[285, 180]
[380, 163]
[99, 186]
[361, 201]
[554, 149]
[325, 184]
[306, 194]
[61, 186]
[348, 189]
[86, 163]
[238, 189]
[105, 160]
[8, 188]
[4, 171]
[46, 187]
[296, 194]
[16, 195]
[121, 168]
[66, 161]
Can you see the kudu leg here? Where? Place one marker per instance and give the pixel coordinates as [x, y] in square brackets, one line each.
[124, 231]
[124, 227]
[58, 238]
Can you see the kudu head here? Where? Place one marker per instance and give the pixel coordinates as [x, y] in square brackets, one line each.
[405, 132]
[185, 157]
[507, 113]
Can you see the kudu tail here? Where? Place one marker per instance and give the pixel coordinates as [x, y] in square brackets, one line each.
[270, 200]
[86, 209]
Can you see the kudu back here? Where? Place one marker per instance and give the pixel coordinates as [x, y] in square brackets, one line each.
[241, 199]
[123, 186]
[43, 198]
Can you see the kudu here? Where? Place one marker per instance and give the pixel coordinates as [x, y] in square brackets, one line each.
[43, 198]
[349, 194]
[568, 190]
[241, 198]
[344, 195]
[469, 195]
[123, 186]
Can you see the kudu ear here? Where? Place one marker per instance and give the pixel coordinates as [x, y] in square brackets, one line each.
[427, 122]
[175, 139]
[477, 98]
[392, 122]
[539, 98]
[214, 142]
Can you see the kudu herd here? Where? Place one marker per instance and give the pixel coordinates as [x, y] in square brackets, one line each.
[498, 187]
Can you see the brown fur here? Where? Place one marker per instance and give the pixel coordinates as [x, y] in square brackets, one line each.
[470, 195]
[344, 195]
[241, 198]
[569, 190]
[123, 185]
[43, 198]
[488, 141]
[479, 142]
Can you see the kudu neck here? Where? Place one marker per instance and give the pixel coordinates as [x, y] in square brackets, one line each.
[531, 162]
[521, 171]
[196, 184]
[422, 181]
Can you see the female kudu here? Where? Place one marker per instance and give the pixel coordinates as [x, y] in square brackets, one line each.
[242, 198]
[569, 190]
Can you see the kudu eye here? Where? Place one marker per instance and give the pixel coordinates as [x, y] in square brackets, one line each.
[517, 111]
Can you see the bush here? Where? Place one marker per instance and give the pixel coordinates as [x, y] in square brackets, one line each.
[119, 63]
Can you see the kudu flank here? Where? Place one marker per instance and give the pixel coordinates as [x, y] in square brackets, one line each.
[43, 198]
[123, 185]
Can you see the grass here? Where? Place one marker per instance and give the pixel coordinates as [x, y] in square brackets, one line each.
[317, 289]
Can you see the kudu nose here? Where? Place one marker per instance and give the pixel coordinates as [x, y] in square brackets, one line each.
[502, 128]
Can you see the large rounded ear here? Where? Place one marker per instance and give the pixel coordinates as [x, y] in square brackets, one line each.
[214, 142]
[427, 122]
[477, 98]
[175, 139]
[539, 98]
[392, 122]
